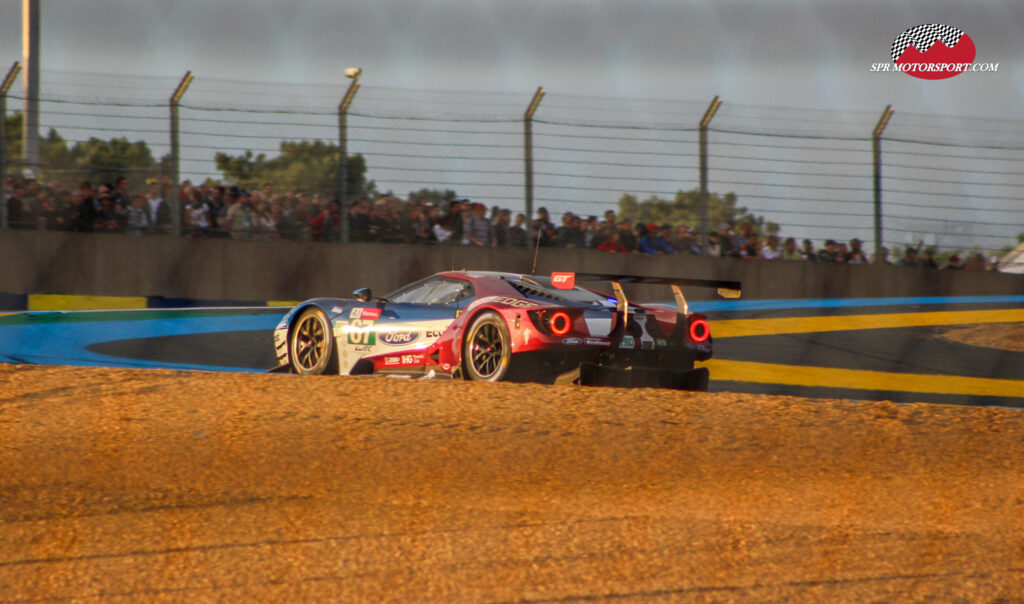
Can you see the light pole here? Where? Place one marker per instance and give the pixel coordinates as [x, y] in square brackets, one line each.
[353, 73]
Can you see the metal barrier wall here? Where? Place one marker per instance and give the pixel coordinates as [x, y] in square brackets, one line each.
[40, 262]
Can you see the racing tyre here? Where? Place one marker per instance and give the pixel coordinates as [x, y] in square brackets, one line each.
[311, 343]
[486, 348]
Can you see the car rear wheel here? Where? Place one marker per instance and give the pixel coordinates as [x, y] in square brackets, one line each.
[311, 344]
[487, 348]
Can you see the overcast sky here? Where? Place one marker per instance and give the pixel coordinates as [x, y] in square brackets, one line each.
[812, 54]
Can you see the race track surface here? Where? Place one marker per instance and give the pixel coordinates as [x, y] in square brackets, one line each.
[154, 485]
[872, 349]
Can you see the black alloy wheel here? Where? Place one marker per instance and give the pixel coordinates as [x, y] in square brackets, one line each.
[311, 345]
[487, 348]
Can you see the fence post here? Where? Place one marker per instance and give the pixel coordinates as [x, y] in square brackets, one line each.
[343, 202]
[528, 150]
[176, 153]
[876, 152]
[710, 113]
[7, 83]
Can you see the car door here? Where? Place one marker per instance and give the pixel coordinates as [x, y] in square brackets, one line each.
[395, 334]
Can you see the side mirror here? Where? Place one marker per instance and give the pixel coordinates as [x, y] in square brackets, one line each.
[363, 294]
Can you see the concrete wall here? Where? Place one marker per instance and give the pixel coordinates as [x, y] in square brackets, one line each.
[121, 265]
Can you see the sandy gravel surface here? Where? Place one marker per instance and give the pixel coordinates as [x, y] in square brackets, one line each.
[128, 485]
[1008, 336]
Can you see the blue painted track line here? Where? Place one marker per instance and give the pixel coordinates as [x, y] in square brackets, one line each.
[61, 343]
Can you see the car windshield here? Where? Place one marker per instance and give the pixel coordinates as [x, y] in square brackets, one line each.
[435, 290]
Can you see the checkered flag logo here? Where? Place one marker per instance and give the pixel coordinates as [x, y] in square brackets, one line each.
[923, 37]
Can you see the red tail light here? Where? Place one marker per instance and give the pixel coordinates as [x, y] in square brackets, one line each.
[700, 331]
[560, 323]
[553, 322]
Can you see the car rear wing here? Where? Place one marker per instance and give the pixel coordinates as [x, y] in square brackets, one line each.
[725, 289]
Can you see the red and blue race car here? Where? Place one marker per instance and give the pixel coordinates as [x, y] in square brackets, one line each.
[494, 326]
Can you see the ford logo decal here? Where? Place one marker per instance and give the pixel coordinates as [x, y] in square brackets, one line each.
[398, 338]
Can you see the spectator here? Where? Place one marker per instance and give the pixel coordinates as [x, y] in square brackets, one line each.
[49, 215]
[502, 228]
[856, 254]
[829, 253]
[544, 217]
[569, 234]
[953, 263]
[609, 220]
[772, 250]
[686, 242]
[975, 262]
[883, 256]
[122, 199]
[727, 236]
[84, 214]
[358, 220]
[197, 214]
[842, 253]
[751, 248]
[790, 251]
[325, 226]
[591, 232]
[714, 244]
[456, 210]
[138, 220]
[807, 251]
[106, 217]
[611, 243]
[443, 229]
[159, 209]
[652, 241]
[478, 230]
[18, 216]
[265, 223]
[238, 217]
[909, 257]
[517, 234]
[627, 235]
[928, 259]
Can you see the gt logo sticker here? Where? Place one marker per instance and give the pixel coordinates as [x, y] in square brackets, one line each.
[362, 338]
[563, 280]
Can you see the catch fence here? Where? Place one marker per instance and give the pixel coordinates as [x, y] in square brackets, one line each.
[953, 183]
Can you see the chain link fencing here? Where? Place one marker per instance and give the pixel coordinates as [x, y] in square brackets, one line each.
[952, 183]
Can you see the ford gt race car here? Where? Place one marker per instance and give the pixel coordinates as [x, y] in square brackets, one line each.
[494, 326]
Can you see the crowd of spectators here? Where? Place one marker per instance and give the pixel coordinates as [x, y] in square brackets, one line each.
[211, 210]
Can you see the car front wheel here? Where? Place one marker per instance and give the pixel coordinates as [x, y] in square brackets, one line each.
[311, 344]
